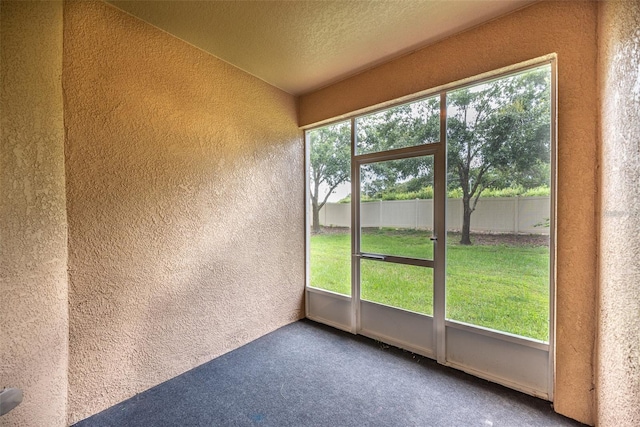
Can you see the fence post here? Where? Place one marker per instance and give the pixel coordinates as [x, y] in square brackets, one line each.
[415, 204]
[380, 214]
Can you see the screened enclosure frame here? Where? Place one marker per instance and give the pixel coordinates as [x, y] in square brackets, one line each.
[437, 149]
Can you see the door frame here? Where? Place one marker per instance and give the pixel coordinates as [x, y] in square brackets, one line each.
[415, 339]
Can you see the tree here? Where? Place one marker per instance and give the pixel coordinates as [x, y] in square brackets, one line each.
[330, 164]
[402, 126]
[498, 134]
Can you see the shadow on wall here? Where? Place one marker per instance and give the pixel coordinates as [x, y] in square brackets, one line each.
[174, 163]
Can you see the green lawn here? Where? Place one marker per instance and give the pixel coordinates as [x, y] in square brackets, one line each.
[499, 286]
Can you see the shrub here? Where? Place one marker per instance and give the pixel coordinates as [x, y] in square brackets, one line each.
[456, 193]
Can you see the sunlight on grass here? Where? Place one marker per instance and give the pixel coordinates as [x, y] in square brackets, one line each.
[498, 286]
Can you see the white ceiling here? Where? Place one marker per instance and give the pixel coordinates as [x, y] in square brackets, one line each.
[299, 46]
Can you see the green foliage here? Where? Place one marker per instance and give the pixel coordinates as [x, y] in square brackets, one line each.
[541, 191]
[518, 191]
[330, 154]
[498, 136]
[498, 133]
[546, 223]
[423, 193]
[456, 193]
[498, 145]
[330, 163]
[398, 127]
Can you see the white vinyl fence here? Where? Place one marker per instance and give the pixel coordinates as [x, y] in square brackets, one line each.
[498, 215]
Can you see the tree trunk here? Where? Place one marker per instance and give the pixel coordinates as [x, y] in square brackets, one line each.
[316, 218]
[465, 239]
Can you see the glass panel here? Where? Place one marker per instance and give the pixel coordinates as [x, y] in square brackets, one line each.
[407, 287]
[498, 207]
[330, 219]
[406, 125]
[396, 207]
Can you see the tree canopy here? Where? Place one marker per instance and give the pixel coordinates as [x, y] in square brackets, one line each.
[402, 126]
[498, 136]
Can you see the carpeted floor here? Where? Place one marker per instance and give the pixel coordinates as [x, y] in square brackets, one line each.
[306, 374]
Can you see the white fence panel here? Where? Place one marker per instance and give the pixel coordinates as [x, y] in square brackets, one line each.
[533, 212]
[454, 214]
[399, 214]
[494, 214]
[425, 214]
[336, 215]
[370, 214]
[499, 214]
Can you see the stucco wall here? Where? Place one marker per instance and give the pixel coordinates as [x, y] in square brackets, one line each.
[185, 202]
[618, 374]
[33, 230]
[569, 29]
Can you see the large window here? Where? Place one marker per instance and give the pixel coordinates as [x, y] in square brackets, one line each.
[499, 188]
[330, 216]
[497, 136]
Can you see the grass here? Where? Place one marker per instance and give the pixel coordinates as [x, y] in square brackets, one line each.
[503, 286]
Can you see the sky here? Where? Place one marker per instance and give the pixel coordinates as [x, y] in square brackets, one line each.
[342, 191]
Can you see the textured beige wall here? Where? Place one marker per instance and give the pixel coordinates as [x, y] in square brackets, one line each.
[185, 202]
[33, 229]
[618, 373]
[569, 29]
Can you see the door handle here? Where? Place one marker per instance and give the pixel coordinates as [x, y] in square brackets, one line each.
[372, 256]
[433, 238]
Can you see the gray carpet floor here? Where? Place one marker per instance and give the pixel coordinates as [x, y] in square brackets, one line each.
[306, 374]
